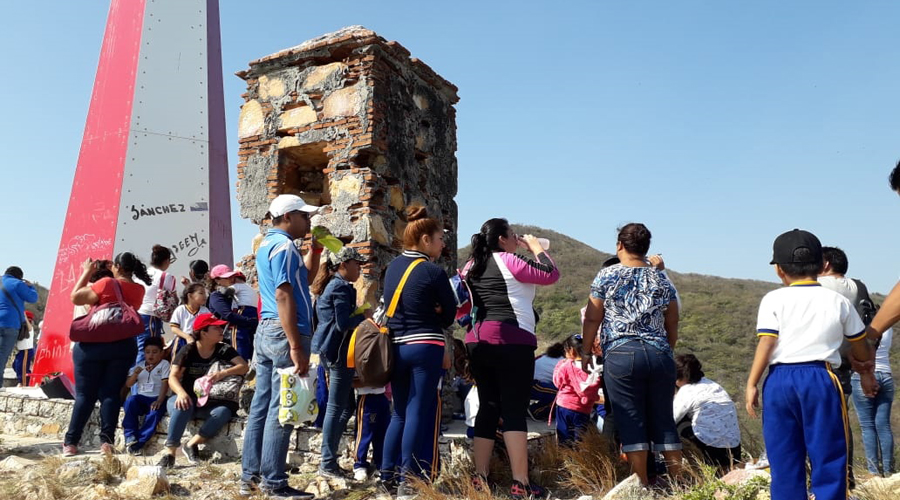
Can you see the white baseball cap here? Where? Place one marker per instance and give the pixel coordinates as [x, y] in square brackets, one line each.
[286, 203]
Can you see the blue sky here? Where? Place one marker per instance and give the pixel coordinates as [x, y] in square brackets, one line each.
[719, 124]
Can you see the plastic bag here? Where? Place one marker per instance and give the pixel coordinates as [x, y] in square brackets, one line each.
[298, 397]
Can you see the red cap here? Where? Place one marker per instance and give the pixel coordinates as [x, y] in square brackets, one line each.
[207, 319]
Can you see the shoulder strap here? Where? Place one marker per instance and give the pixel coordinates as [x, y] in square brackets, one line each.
[861, 291]
[8, 296]
[395, 300]
[118, 289]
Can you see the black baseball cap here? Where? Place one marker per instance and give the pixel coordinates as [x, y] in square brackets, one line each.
[784, 250]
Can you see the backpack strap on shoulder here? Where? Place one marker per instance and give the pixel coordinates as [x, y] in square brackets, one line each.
[395, 300]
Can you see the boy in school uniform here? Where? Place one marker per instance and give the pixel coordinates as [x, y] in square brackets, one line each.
[149, 384]
[373, 415]
[800, 329]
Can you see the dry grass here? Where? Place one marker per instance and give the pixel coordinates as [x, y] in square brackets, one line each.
[593, 465]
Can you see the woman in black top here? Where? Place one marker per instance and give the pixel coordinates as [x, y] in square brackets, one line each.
[192, 362]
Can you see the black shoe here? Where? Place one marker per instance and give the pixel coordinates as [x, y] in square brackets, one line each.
[135, 449]
[167, 461]
[191, 453]
[288, 493]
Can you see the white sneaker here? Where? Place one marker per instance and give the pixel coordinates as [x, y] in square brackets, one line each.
[360, 474]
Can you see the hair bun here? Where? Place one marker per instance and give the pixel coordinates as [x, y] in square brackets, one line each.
[415, 213]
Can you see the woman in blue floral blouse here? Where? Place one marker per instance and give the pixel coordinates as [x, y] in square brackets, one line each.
[635, 307]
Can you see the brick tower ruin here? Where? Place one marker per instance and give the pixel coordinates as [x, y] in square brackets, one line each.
[350, 121]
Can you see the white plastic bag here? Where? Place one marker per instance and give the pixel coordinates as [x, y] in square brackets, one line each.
[298, 397]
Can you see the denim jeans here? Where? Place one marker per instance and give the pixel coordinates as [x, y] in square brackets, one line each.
[266, 441]
[153, 327]
[417, 370]
[101, 370]
[875, 421]
[8, 339]
[340, 408]
[215, 416]
[640, 381]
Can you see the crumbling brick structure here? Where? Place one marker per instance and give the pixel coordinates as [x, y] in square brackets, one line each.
[351, 121]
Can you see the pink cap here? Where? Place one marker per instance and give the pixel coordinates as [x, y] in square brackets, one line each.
[202, 387]
[222, 271]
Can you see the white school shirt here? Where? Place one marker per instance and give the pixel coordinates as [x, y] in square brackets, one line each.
[151, 291]
[184, 319]
[150, 382]
[245, 295]
[810, 322]
[713, 414]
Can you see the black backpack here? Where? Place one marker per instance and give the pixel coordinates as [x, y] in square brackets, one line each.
[864, 304]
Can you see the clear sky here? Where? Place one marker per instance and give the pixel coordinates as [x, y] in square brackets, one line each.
[719, 124]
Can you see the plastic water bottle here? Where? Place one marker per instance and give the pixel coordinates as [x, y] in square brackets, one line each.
[544, 242]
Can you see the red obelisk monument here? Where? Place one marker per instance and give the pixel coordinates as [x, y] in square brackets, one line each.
[153, 168]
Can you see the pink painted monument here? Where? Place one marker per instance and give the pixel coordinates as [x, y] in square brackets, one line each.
[153, 166]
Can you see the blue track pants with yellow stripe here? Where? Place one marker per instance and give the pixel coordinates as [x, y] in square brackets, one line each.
[804, 416]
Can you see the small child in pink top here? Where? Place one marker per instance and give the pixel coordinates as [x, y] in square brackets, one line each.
[578, 393]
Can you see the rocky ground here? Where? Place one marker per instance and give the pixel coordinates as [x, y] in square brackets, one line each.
[33, 469]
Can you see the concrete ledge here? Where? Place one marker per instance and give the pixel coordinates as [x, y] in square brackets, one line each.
[26, 412]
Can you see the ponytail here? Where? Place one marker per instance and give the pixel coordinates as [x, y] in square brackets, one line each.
[484, 243]
[132, 267]
[323, 278]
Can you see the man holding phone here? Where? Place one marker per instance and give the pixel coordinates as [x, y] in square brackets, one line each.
[15, 291]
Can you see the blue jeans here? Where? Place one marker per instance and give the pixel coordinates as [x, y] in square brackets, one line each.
[640, 382]
[135, 407]
[266, 441]
[153, 327]
[875, 421]
[417, 369]
[339, 410]
[101, 369]
[216, 416]
[8, 339]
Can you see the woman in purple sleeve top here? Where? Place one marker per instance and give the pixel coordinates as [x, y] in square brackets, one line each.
[502, 342]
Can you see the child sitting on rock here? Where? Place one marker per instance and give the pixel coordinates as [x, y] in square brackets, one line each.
[149, 384]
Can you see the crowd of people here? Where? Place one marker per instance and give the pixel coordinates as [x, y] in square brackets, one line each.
[821, 339]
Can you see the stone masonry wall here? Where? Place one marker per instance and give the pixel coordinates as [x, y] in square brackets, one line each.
[49, 418]
[352, 122]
